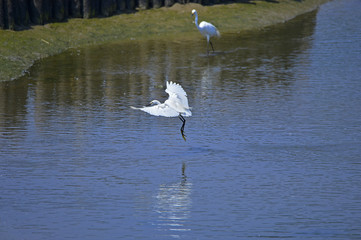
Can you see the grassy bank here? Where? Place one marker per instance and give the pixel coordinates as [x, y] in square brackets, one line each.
[19, 50]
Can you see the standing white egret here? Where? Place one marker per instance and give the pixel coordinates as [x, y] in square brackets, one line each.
[175, 106]
[207, 29]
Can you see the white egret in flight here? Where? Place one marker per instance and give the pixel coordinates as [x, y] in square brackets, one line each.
[175, 106]
[207, 29]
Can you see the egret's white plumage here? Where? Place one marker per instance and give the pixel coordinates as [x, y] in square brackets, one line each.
[207, 29]
[175, 106]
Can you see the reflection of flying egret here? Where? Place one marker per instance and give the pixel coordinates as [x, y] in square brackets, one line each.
[207, 29]
[175, 106]
[173, 207]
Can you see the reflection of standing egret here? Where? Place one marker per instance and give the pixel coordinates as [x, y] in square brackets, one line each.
[207, 29]
[175, 106]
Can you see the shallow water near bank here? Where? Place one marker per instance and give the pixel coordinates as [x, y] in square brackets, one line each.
[272, 150]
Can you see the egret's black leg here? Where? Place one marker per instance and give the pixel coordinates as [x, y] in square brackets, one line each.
[184, 122]
[211, 45]
[182, 128]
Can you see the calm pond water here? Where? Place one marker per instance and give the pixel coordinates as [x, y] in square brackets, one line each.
[273, 147]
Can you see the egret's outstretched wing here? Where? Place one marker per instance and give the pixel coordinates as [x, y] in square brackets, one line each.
[177, 93]
[159, 110]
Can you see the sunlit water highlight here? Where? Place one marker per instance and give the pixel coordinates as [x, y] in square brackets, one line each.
[273, 146]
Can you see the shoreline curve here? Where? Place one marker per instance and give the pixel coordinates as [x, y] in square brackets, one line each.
[19, 50]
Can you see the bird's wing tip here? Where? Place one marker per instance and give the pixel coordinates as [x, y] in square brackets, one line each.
[171, 83]
[175, 88]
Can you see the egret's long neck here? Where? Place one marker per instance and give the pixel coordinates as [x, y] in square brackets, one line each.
[196, 19]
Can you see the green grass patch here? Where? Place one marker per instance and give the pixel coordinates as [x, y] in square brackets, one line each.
[19, 50]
